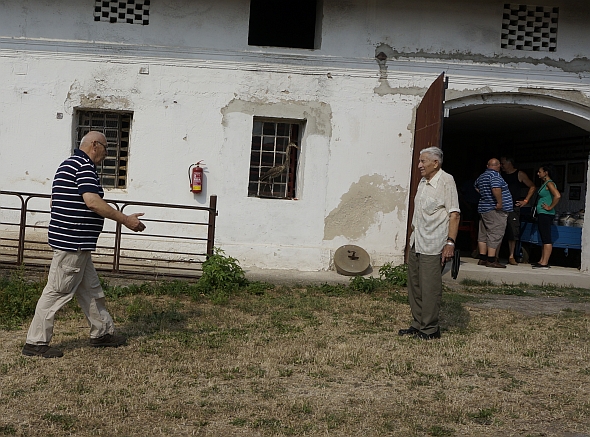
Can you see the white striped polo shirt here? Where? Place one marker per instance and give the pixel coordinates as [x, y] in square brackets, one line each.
[73, 225]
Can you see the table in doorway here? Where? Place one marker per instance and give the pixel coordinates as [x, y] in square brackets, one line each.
[564, 237]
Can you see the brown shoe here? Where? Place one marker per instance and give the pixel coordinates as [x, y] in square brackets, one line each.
[512, 262]
[496, 265]
[42, 350]
[482, 262]
[108, 340]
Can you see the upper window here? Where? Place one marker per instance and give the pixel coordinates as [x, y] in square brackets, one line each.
[123, 11]
[526, 27]
[284, 23]
[115, 126]
[273, 159]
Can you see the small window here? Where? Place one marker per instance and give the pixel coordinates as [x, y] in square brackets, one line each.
[116, 127]
[124, 11]
[284, 23]
[273, 159]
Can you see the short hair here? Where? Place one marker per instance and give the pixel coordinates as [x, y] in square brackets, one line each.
[84, 140]
[510, 159]
[434, 152]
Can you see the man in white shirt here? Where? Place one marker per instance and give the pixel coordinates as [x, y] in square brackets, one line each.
[434, 229]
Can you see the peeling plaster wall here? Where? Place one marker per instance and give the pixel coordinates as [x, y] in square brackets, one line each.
[194, 87]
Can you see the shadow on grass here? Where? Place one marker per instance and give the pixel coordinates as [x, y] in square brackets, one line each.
[453, 315]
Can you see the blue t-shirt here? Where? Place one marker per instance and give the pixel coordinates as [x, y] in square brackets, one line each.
[487, 202]
[73, 225]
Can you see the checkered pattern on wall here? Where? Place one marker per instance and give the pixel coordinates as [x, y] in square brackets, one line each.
[526, 27]
[125, 11]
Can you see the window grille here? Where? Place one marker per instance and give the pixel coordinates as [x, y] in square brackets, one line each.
[285, 23]
[526, 27]
[125, 11]
[270, 146]
[116, 127]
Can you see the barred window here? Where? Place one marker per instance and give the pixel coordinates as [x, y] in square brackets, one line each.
[123, 11]
[116, 127]
[273, 159]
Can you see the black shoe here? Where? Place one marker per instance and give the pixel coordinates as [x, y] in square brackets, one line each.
[410, 331]
[43, 350]
[423, 336]
[108, 340]
[496, 265]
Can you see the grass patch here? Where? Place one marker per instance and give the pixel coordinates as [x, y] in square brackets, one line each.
[18, 298]
[259, 359]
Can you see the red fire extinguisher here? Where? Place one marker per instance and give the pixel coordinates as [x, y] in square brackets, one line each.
[196, 177]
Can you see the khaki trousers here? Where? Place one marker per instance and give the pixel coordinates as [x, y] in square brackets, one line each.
[424, 290]
[71, 273]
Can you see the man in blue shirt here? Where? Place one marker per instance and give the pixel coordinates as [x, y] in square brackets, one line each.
[77, 216]
[494, 205]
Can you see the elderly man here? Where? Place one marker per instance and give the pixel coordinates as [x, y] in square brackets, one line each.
[517, 181]
[77, 216]
[494, 205]
[434, 228]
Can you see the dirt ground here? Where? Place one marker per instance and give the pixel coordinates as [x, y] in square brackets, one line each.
[532, 305]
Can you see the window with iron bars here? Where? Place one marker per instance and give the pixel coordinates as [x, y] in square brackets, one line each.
[116, 127]
[273, 159]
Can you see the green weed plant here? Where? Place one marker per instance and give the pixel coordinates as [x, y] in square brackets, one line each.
[390, 276]
[221, 272]
[18, 299]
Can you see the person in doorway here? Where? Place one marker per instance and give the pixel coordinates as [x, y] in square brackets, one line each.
[434, 229]
[494, 205]
[548, 198]
[77, 216]
[517, 182]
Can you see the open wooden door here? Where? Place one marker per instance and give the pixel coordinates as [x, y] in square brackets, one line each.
[427, 133]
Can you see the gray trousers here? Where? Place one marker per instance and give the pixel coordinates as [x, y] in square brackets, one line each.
[71, 273]
[424, 290]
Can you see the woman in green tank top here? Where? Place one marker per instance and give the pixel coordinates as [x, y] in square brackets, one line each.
[548, 198]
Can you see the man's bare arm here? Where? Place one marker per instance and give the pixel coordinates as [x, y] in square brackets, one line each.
[522, 177]
[497, 192]
[94, 202]
[449, 250]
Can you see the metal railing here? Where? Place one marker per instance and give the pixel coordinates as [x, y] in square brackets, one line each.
[177, 239]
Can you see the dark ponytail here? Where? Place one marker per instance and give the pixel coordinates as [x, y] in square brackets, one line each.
[550, 169]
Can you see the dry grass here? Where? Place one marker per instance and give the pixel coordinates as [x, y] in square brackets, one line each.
[301, 362]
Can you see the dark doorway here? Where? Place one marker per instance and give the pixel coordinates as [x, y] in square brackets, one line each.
[473, 134]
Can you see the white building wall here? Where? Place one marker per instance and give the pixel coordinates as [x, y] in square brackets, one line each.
[205, 85]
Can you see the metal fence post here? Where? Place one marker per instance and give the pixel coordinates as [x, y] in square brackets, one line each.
[20, 256]
[211, 224]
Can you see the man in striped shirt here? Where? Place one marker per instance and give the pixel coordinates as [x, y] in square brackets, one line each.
[77, 216]
[495, 203]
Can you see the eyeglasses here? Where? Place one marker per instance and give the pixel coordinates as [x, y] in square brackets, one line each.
[103, 145]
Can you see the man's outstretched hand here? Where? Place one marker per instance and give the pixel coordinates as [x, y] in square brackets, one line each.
[132, 222]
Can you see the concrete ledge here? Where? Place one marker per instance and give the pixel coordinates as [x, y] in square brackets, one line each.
[563, 276]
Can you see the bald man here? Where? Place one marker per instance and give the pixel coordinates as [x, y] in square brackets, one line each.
[495, 203]
[77, 217]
